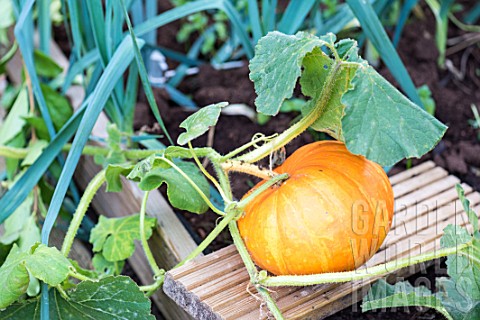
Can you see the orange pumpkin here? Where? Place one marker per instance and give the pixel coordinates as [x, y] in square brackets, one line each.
[331, 215]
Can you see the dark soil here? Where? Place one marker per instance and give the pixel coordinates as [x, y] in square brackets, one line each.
[458, 152]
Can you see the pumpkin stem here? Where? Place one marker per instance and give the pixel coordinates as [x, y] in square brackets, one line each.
[248, 168]
[302, 125]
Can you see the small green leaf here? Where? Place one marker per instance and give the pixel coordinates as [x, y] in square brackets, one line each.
[45, 66]
[59, 108]
[199, 122]
[143, 167]
[40, 127]
[278, 64]
[180, 192]
[113, 176]
[402, 294]
[14, 121]
[472, 216]
[48, 264]
[111, 298]
[106, 267]
[35, 150]
[115, 154]
[382, 124]
[14, 277]
[114, 237]
[14, 224]
[426, 97]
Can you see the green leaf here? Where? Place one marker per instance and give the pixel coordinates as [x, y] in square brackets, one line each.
[278, 64]
[472, 216]
[14, 121]
[48, 264]
[40, 127]
[14, 277]
[474, 313]
[457, 303]
[463, 267]
[143, 167]
[113, 176]
[45, 66]
[58, 106]
[402, 294]
[104, 266]
[454, 236]
[317, 65]
[426, 97]
[199, 122]
[382, 124]
[12, 165]
[114, 141]
[30, 233]
[14, 224]
[111, 298]
[114, 237]
[180, 192]
[34, 152]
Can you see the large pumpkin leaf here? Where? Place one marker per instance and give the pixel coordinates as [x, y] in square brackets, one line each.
[458, 303]
[278, 64]
[464, 267]
[114, 237]
[181, 193]
[472, 216]
[199, 122]
[382, 124]
[402, 294]
[317, 65]
[110, 298]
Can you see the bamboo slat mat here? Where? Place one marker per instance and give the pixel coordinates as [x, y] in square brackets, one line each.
[215, 286]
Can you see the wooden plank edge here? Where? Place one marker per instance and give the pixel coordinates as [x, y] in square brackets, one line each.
[190, 302]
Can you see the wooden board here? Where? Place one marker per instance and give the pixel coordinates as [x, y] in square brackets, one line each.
[217, 286]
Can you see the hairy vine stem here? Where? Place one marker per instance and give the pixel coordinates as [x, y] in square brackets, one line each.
[248, 168]
[370, 272]
[88, 150]
[143, 239]
[77, 218]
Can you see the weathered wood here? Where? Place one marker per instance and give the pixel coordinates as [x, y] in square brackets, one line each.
[217, 286]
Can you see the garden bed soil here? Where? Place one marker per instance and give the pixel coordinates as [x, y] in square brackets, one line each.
[458, 152]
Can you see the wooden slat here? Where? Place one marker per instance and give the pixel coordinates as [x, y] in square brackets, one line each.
[415, 171]
[218, 288]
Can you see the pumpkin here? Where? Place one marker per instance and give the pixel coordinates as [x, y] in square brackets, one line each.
[332, 213]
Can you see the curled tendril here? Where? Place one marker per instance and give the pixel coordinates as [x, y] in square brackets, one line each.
[260, 137]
